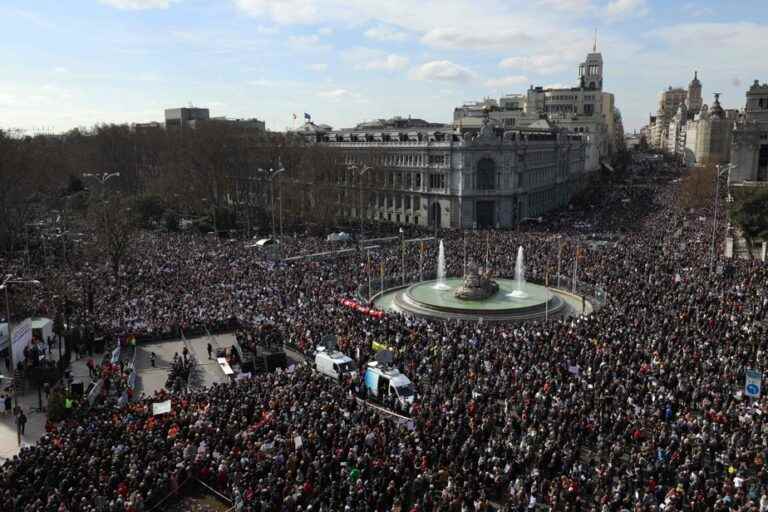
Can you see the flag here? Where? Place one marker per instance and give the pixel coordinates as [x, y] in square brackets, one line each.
[382, 270]
[294, 116]
[307, 116]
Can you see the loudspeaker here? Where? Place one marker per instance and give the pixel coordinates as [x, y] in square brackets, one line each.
[77, 389]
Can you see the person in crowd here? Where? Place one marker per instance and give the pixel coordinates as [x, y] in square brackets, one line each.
[638, 406]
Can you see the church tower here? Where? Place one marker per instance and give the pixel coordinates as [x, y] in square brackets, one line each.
[591, 70]
[694, 94]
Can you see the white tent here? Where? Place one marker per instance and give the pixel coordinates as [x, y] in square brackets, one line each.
[3, 336]
[42, 328]
[339, 237]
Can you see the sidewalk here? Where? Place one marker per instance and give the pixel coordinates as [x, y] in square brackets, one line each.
[28, 400]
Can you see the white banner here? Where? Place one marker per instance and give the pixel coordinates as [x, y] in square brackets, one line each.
[22, 336]
[161, 407]
[729, 247]
[762, 252]
[752, 383]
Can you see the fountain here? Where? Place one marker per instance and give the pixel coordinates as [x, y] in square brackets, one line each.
[441, 284]
[478, 294]
[519, 292]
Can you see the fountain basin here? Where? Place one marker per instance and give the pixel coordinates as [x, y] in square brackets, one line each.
[424, 300]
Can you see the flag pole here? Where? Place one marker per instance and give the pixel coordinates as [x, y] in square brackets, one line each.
[546, 297]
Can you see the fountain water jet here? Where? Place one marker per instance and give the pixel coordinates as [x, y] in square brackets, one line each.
[519, 292]
[441, 284]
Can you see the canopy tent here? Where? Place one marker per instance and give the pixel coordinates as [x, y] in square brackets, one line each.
[3, 336]
[42, 328]
[263, 243]
[339, 237]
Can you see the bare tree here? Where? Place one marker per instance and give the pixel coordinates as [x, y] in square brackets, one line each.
[114, 230]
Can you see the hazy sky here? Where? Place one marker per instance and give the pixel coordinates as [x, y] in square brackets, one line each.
[67, 63]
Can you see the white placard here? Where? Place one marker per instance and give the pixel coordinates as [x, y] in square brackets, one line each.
[297, 442]
[753, 383]
[161, 407]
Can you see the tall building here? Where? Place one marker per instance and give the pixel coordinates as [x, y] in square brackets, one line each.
[185, 117]
[708, 137]
[584, 109]
[694, 99]
[591, 71]
[439, 175]
[749, 151]
[667, 130]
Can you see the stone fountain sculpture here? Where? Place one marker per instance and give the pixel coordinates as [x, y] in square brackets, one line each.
[476, 285]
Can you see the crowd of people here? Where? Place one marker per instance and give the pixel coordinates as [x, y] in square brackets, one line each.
[636, 407]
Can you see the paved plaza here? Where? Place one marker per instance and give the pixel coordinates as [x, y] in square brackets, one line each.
[149, 381]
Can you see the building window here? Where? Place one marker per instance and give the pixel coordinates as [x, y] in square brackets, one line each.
[486, 174]
[436, 159]
[436, 181]
[417, 180]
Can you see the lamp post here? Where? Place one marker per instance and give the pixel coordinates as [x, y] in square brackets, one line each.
[101, 177]
[359, 172]
[9, 280]
[270, 175]
[718, 173]
[402, 255]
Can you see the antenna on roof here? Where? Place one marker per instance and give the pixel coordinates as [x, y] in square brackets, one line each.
[594, 45]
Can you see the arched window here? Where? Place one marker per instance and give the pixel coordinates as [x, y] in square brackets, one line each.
[486, 174]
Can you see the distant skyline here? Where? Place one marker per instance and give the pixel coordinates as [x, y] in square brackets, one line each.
[82, 62]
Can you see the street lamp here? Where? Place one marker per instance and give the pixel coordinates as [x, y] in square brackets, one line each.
[102, 177]
[9, 280]
[718, 174]
[359, 172]
[270, 175]
[402, 255]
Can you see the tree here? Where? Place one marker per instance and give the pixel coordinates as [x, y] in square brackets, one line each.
[751, 215]
[114, 230]
[147, 209]
[697, 188]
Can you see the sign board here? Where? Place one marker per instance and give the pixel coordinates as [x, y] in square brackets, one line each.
[21, 337]
[116, 354]
[763, 251]
[297, 442]
[729, 247]
[161, 407]
[752, 383]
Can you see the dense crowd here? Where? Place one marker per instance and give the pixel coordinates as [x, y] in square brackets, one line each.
[636, 407]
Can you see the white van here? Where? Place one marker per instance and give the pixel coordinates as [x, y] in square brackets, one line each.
[333, 364]
[383, 381]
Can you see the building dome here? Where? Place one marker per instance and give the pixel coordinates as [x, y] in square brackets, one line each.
[717, 109]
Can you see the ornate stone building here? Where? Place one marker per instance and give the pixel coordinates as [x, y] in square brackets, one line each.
[749, 151]
[413, 172]
[584, 109]
[708, 136]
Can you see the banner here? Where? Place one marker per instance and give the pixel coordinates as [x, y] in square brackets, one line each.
[22, 336]
[729, 247]
[161, 407]
[763, 251]
[116, 354]
[752, 383]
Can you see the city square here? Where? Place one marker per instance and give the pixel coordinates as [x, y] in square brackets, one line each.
[544, 300]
